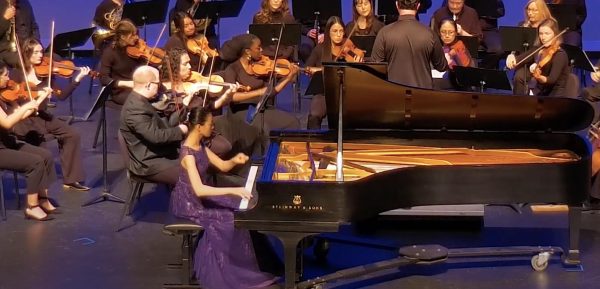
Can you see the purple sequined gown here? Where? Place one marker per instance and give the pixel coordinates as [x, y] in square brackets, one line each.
[225, 256]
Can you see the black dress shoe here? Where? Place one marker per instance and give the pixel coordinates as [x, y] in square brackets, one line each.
[76, 186]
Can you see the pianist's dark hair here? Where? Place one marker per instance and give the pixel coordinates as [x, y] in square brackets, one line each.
[327, 56]
[198, 116]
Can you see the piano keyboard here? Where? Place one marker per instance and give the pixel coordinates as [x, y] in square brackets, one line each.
[249, 186]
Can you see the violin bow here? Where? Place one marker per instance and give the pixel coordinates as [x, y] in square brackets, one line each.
[541, 47]
[162, 31]
[20, 54]
[50, 65]
[201, 66]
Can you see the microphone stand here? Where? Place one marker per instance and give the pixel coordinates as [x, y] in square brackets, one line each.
[260, 107]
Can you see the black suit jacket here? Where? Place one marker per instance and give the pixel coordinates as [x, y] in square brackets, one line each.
[151, 142]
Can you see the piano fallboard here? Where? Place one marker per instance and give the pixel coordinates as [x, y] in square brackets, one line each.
[309, 201]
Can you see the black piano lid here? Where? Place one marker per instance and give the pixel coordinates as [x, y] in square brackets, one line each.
[371, 102]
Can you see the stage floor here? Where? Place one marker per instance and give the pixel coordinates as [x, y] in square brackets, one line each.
[80, 248]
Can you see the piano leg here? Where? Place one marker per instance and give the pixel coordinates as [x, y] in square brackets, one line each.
[572, 257]
[290, 241]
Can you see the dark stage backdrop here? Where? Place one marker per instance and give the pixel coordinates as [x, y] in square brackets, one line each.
[76, 14]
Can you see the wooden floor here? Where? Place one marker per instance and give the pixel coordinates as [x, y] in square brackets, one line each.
[80, 249]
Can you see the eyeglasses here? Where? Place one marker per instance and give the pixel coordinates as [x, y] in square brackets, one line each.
[447, 32]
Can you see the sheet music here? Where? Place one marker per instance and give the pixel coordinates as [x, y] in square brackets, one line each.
[438, 74]
[249, 186]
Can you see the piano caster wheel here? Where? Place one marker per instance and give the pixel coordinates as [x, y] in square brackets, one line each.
[539, 262]
[321, 249]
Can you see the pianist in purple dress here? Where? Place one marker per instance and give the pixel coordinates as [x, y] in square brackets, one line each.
[225, 257]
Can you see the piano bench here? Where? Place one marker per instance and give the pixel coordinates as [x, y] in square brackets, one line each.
[188, 230]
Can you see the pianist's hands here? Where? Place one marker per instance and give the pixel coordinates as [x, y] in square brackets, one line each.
[239, 159]
[242, 193]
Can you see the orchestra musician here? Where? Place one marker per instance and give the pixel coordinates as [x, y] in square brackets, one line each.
[25, 24]
[190, 7]
[364, 17]
[181, 81]
[548, 68]
[592, 95]
[36, 163]
[152, 142]
[536, 11]
[36, 129]
[492, 41]
[466, 18]
[275, 12]
[225, 257]
[185, 29]
[573, 36]
[409, 62]
[116, 65]
[330, 50]
[455, 51]
[107, 16]
[245, 70]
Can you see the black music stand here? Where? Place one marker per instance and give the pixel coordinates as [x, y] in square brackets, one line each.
[517, 38]
[268, 33]
[578, 57]
[100, 103]
[364, 43]
[485, 8]
[472, 44]
[218, 9]
[316, 84]
[387, 12]
[482, 78]
[316, 10]
[146, 12]
[67, 41]
[565, 15]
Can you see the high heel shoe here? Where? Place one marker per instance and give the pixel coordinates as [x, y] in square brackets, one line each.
[32, 217]
[56, 211]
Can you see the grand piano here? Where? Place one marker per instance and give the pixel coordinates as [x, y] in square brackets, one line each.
[403, 146]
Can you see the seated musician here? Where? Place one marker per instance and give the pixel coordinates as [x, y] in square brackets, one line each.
[245, 70]
[202, 27]
[548, 69]
[185, 30]
[573, 36]
[36, 163]
[536, 11]
[275, 12]
[107, 16]
[36, 129]
[456, 54]
[330, 50]
[364, 19]
[225, 257]
[180, 81]
[116, 65]
[466, 18]
[592, 95]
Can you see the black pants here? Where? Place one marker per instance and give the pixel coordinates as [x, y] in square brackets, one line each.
[35, 163]
[521, 80]
[38, 129]
[169, 176]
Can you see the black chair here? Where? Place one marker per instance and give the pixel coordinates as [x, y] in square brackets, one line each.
[2, 206]
[136, 183]
[187, 230]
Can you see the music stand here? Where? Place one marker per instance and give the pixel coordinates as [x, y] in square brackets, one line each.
[268, 33]
[316, 84]
[100, 103]
[517, 38]
[316, 10]
[565, 15]
[387, 12]
[472, 44]
[578, 57]
[67, 41]
[146, 12]
[482, 78]
[484, 8]
[364, 43]
[218, 9]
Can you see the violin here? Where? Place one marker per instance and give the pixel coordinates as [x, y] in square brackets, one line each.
[214, 84]
[64, 68]
[264, 67]
[347, 51]
[199, 46]
[18, 91]
[142, 51]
